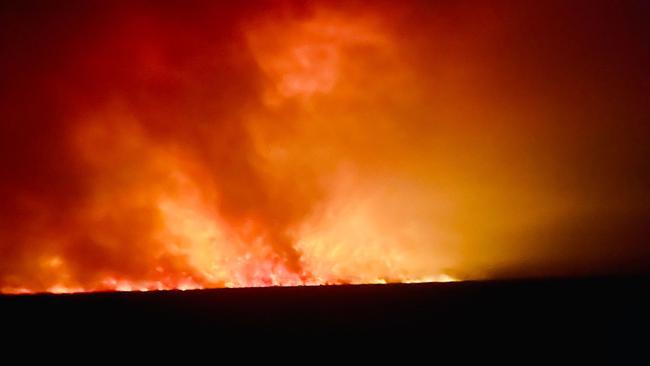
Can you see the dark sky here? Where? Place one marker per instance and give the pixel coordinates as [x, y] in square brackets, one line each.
[162, 144]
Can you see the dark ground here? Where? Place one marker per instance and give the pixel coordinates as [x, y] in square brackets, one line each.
[595, 318]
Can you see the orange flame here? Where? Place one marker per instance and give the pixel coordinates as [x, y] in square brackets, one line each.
[153, 147]
[155, 207]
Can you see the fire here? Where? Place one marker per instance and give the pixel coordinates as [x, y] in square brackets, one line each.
[299, 143]
[160, 212]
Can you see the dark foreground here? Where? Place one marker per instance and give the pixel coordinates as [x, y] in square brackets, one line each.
[608, 316]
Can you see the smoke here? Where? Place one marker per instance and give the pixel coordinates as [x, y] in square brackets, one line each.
[156, 145]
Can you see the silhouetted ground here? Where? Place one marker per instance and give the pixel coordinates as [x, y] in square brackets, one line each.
[593, 317]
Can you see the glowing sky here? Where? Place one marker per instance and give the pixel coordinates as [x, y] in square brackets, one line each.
[169, 144]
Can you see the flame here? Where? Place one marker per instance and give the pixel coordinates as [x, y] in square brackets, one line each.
[291, 143]
[156, 207]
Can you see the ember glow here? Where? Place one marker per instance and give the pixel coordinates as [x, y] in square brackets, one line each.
[162, 145]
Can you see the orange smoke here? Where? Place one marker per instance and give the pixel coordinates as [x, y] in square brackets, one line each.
[289, 143]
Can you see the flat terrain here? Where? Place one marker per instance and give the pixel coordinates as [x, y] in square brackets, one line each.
[600, 313]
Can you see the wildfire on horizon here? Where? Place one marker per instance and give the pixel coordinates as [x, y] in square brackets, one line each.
[155, 145]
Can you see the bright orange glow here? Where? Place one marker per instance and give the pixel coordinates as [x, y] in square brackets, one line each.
[291, 143]
[345, 237]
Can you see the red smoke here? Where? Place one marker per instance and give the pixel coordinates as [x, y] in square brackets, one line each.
[159, 145]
